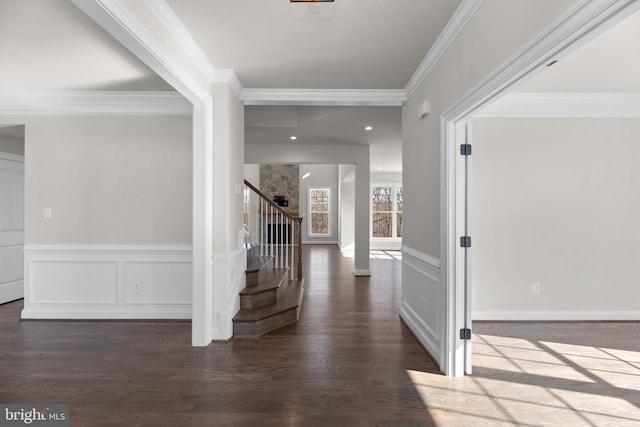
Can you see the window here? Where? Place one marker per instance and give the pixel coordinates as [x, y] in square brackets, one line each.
[319, 212]
[386, 211]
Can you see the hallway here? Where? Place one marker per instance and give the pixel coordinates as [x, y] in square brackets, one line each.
[349, 361]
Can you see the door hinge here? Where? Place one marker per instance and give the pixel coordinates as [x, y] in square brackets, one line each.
[465, 241]
[465, 334]
[465, 149]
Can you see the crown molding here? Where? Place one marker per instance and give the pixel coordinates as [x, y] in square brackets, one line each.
[175, 27]
[325, 97]
[564, 105]
[228, 76]
[579, 21]
[457, 22]
[93, 103]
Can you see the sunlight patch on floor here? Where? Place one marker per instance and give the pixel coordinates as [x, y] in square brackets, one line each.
[528, 382]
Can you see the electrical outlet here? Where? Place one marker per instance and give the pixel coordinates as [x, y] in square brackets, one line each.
[136, 285]
[46, 213]
[535, 289]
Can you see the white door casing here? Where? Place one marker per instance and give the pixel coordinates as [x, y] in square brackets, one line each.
[11, 227]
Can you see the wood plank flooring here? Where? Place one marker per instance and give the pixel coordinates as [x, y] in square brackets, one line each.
[348, 361]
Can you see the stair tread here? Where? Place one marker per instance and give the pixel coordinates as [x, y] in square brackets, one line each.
[271, 280]
[256, 263]
[289, 299]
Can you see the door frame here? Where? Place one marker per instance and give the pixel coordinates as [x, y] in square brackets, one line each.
[14, 285]
[580, 24]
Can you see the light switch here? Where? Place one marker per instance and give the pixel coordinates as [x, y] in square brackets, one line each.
[46, 213]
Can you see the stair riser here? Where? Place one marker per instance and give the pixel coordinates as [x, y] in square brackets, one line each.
[259, 300]
[264, 326]
[254, 278]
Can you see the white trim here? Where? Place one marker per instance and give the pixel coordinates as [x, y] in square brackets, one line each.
[581, 21]
[337, 97]
[93, 102]
[457, 22]
[107, 282]
[11, 157]
[421, 256]
[383, 244]
[11, 291]
[319, 242]
[362, 273]
[174, 26]
[557, 315]
[564, 105]
[328, 235]
[422, 314]
[107, 249]
[229, 279]
[231, 78]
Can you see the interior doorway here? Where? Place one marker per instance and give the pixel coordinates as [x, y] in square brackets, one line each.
[11, 213]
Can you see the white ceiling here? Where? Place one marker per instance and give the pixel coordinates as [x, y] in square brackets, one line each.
[349, 44]
[52, 45]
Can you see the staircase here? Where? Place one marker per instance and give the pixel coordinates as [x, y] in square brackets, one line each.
[274, 282]
[270, 300]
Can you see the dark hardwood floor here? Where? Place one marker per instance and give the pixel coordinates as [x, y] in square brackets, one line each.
[343, 364]
[348, 361]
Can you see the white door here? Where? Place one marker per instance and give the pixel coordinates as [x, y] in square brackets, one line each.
[11, 227]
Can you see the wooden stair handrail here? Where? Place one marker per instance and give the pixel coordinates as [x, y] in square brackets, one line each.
[271, 202]
[296, 220]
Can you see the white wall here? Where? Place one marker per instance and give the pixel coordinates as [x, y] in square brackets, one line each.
[229, 259]
[496, 31]
[117, 180]
[555, 201]
[319, 176]
[347, 206]
[118, 243]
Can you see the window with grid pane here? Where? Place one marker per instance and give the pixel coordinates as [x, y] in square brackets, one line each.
[319, 211]
[382, 220]
[386, 211]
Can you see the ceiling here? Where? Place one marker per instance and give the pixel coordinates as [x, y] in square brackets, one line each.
[52, 45]
[348, 44]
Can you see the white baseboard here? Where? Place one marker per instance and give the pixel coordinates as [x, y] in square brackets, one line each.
[376, 245]
[362, 273]
[319, 242]
[557, 315]
[11, 291]
[107, 282]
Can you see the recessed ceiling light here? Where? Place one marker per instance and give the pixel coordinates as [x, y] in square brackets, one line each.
[306, 175]
[379, 169]
[293, 137]
[368, 128]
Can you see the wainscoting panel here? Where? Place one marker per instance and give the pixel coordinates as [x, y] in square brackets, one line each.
[107, 282]
[228, 281]
[73, 281]
[422, 300]
[157, 282]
